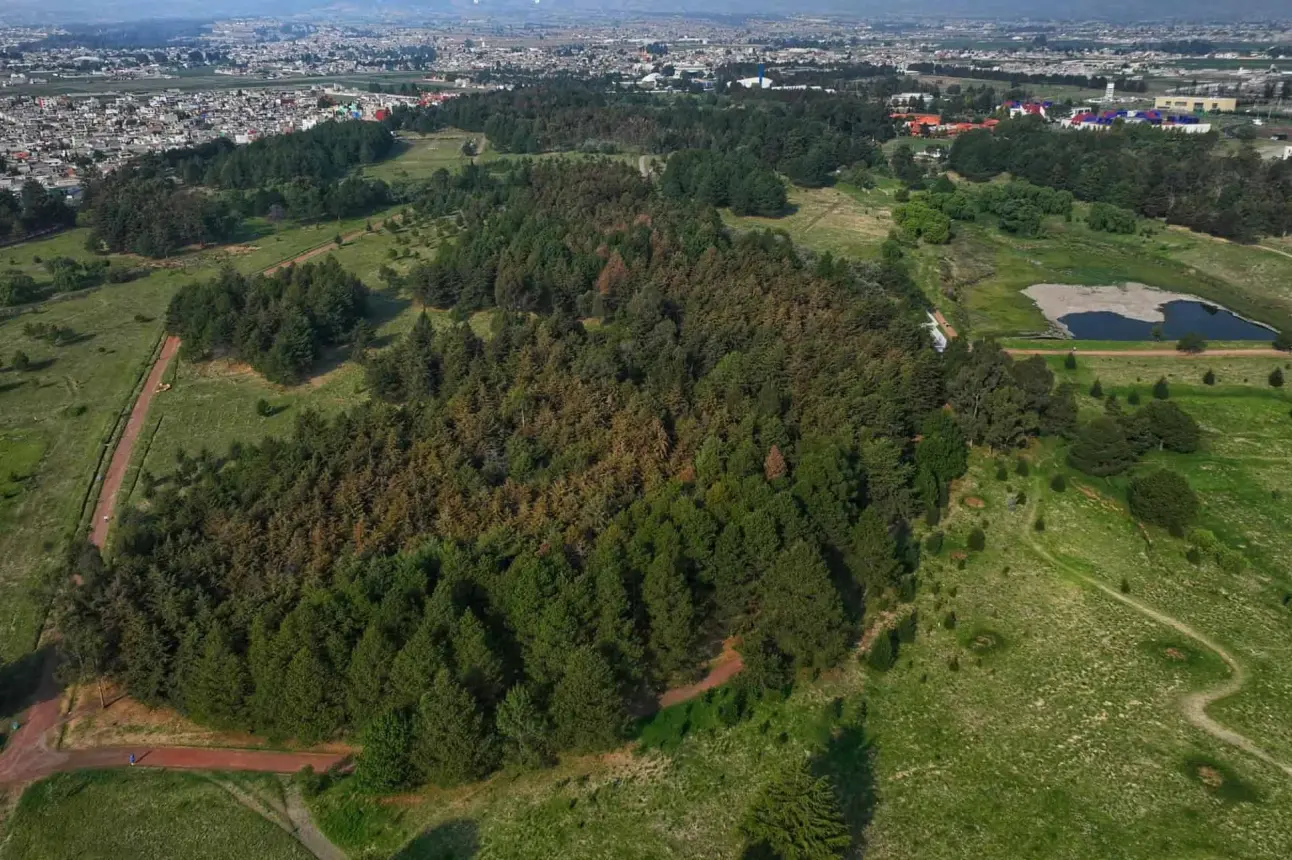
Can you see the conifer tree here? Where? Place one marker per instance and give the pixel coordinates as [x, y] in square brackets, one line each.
[586, 706]
[451, 742]
[308, 712]
[367, 674]
[385, 763]
[479, 668]
[873, 553]
[796, 817]
[800, 608]
[525, 727]
[671, 610]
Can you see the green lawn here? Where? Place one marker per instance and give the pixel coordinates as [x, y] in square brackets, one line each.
[845, 221]
[143, 815]
[419, 156]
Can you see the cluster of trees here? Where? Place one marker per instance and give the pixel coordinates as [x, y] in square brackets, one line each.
[519, 535]
[734, 179]
[1112, 443]
[307, 199]
[1019, 207]
[328, 151]
[276, 323]
[32, 210]
[1111, 219]
[1094, 82]
[806, 135]
[134, 210]
[1187, 179]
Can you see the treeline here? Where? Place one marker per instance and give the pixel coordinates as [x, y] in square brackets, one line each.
[1094, 82]
[734, 179]
[328, 151]
[135, 211]
[803, 134]
[32, 210]
[1186, 179]
[66, 274]
[1018, 207]
[276, 323]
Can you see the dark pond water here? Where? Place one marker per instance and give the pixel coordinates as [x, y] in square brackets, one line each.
[1182, 317]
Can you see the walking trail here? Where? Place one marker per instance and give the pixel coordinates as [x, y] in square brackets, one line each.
[1193, 705]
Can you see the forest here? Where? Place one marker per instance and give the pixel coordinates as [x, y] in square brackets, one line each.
[522, 537]
[134, 211]
[736, 180]
[276, 323]
[805, 135]
[1187, 179]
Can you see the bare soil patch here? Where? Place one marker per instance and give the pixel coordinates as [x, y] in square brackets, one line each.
[974, 502]
[1175, 654]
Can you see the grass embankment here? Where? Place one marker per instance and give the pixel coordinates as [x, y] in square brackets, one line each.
[149, 815]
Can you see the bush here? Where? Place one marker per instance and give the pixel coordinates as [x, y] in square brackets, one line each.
[1209, 378]
[883, 652]
[1283, 341]
[1161, 391]
[949, 621]
[1070, 361]
[1193, 555]
[977, 540]
[20, 361]
[1276, 377]
[1125, 585]
[1039, 525]
[1021, 468]
[1058, 483]
[1097, 390]
[933, 543]
[263, 409]
[1164, 498]
[1001, 472]
[1191, 342]
[907, 627]
[1133, 398]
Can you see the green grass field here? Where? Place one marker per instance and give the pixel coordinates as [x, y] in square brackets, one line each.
[843, 220]
[149, 815]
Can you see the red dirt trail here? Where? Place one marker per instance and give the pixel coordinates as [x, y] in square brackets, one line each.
[125, 447]
[723, 668]
[28, 755]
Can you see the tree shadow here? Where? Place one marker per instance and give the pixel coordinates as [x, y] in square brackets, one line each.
[10, 386]
[36, 366]
[20, 680]
[848, 762]
[453, 840]
[81, 337]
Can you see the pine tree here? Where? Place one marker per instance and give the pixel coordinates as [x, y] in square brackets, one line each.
[796, 817]
[1276, 377]
[219, 686]
[1101, 449]
[367, 674]
[801, 609]
[451, 743]
[1070, 361]
[416, 665]
[1097, 390]
[1209, 378]
[873, 558]
[385, 763]
[307, 711]
[586, 706]
[671, 610]
[774, 464]
[1161, 391]
[478, 667]
[525, 727]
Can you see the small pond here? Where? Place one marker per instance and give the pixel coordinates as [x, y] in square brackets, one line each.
[1182, 317]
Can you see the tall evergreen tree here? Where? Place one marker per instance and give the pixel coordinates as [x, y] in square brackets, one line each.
[586, 706]
[452, 743]
[796, 816]
[800, 608]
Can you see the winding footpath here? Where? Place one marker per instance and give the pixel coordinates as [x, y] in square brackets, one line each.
[1193, 705]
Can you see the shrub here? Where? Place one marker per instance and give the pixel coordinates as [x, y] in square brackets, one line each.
[1209, 378]
[1070, 361]
[977, 540]
[883, 652]
[907, 627]
[1001, 472]
[1058, 483]
[20, 360]
[1160, 389]
[953, 663]
[1021, 468]
[1096, 390]
[1192, 342]
[1276, 377]
[1039, 525]
[933, 543]
[263, 409]
[1125, 585]
[949, 621]
[1283, 341]
[1133, 398]
[1164, 498]
[1193, 555]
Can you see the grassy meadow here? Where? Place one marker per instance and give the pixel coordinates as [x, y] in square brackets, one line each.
[843, 220]
[148, 815]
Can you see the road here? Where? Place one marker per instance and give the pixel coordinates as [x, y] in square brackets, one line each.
[1160, 353]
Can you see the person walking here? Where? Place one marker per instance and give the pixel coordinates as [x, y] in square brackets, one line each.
[132, 759]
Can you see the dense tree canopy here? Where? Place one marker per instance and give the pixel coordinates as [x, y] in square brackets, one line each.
[1187, 179]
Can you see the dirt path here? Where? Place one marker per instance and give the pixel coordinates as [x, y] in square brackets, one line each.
[1160, 353]
[947, 328]
[126, 445]
[1193, 705]
[291, 816]
[314, 252]
[722, 669]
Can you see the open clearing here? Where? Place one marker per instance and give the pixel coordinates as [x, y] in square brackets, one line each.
[419, 156]
[842, 220]
[150, 815]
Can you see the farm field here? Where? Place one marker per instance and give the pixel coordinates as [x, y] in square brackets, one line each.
[150, 815]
